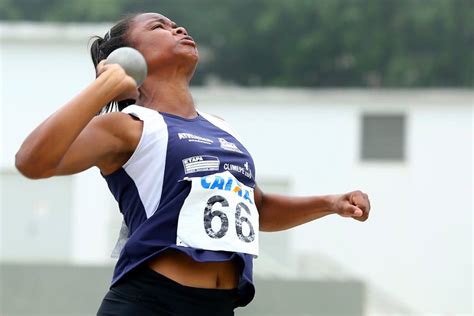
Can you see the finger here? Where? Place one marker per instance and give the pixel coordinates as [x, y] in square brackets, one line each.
[101, 67]
[357, 212]
[361, 218]
[352, 211]
[368, 202]
[358, 199]
[136, 94]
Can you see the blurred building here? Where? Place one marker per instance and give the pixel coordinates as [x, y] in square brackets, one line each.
[411, 150]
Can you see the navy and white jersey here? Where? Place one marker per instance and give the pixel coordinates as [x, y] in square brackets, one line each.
[187, 186]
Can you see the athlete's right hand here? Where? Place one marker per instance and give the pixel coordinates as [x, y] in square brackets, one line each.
[123, 87]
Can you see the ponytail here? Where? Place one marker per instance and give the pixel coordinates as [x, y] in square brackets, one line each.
[100, 49]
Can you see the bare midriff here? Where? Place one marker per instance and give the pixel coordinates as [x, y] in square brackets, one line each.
[184, 270]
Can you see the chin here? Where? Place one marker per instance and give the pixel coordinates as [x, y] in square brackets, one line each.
[191, 56]
[193, 53]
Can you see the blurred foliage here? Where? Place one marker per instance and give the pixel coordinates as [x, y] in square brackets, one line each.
[391, 43]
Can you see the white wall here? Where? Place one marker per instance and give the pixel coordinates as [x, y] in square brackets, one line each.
[37, 78]
[417, 245]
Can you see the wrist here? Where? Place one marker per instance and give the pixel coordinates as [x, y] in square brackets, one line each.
[107, 87]
[331, 203]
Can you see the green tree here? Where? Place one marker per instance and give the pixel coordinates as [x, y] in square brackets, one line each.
[389, 43]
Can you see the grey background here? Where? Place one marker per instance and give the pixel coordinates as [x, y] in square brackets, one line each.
[71, 290]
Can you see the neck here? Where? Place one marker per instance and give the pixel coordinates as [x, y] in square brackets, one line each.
[170, 95]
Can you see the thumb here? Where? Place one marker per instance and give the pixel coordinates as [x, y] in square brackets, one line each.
[355, 211]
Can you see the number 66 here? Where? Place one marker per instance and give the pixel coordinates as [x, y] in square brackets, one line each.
[209, 214]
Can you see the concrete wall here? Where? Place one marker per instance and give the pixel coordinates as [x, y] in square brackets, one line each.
[68, 290]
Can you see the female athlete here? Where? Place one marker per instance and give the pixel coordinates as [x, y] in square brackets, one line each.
[183, 180]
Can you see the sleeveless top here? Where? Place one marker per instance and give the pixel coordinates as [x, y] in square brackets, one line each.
[188, 186]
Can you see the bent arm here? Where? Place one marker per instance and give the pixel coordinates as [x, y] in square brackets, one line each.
[46, 147]
[105, 142]
[279, 212]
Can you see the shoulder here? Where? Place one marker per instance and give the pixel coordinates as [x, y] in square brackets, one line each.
[214, 119]
[209, 116]
[123, 133]
[122, 126]
[115, 122]
[217, 117]
[220, 123]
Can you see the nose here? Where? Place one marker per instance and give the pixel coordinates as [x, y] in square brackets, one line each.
[180, 30]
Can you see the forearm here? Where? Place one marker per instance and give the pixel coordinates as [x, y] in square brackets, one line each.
[44, 148]
[279, 212]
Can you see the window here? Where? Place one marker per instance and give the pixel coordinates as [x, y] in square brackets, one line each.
[383, 137]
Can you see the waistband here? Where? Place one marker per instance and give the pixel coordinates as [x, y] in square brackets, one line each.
[144, 282]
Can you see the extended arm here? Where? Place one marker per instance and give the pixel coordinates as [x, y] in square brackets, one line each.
[278, 212]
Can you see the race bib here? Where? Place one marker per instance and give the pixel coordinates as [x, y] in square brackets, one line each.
[219, 214]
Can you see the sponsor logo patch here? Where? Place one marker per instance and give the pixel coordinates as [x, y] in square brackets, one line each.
[195, 138]
[229, 145]
[227, 183]
[239, 169]
[200, 163]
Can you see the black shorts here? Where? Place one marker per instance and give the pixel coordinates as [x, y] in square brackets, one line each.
[145, 292]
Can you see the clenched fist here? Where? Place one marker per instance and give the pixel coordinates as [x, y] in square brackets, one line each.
[354, 204]
[120, 85]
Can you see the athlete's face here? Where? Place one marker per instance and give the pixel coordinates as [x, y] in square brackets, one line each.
[162, 42]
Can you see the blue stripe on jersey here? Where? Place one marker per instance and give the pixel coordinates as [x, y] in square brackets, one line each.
[126, 194]
[192, 147]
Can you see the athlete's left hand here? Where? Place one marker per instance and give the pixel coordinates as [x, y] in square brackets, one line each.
[354, 204]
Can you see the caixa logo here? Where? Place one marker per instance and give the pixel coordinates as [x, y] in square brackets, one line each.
[230, 184]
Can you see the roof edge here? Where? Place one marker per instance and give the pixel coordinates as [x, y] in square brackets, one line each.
[25, 31]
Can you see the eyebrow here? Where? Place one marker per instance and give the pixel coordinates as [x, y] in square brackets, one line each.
[164, 21]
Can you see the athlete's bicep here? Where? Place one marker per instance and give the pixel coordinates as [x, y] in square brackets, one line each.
[258, 197]
[101, 140]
